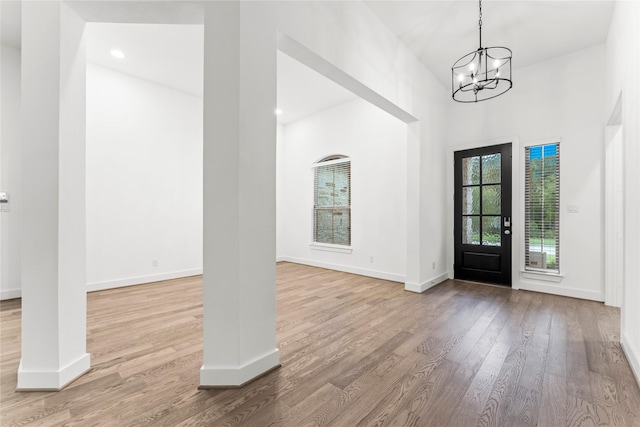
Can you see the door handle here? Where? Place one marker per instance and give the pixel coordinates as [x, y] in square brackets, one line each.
[507, 232]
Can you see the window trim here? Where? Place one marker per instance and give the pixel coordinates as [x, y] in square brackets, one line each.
[331, 247]
[552, 275]
[544, 275]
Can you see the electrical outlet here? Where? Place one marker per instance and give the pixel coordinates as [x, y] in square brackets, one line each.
[371, 258]
[154, 262]
[433, 265]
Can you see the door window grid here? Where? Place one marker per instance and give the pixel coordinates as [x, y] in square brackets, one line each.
[481, 200]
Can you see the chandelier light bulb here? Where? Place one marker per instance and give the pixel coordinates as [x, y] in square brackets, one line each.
[460, 78]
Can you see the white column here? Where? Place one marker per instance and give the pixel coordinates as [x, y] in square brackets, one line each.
[53, 249]
[414, 279]
[239, 193]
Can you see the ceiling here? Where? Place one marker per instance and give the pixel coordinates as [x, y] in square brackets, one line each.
[303, 92]
[171, 55]
[167, 54]
[441, 32]
[438, 32]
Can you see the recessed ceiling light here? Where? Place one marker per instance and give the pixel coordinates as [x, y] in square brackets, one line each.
[278, 111]
[117, 53]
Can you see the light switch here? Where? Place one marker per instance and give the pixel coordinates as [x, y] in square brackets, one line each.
[573, 209]
[4, 201]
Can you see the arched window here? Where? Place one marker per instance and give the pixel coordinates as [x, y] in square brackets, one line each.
[332, 201]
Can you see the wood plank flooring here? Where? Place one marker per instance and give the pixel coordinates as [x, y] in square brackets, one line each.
[355, 351]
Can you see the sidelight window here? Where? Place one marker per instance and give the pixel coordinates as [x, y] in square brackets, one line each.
[542, 207]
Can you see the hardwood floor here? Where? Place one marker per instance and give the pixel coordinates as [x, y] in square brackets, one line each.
[355, 351]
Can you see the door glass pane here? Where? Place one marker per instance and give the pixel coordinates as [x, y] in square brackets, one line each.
[491, 168]
[491, 200]
[471, 170]
[491, 231]
[471, 200]
[471, 230]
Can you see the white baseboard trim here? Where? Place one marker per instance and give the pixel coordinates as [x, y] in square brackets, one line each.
[347, 269]
[231, 376]
[560, 290]
[633, 355]
[10, 294]
[52, 380]
[421, 287]
[139, 280]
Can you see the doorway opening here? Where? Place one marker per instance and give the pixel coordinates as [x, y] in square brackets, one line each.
[144, 153]
[321, 117]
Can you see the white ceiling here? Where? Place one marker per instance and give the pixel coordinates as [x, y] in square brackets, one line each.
[438, 32]
[172, 56]
[303, 92]
[167, 54]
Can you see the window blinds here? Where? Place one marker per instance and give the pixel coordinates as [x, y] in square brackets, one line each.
[332, 202]
[542, 207]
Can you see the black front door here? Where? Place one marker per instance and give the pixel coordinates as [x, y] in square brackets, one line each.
[482, 209]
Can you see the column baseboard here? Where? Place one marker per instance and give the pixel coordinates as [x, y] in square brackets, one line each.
[29, 380]
[421, 287]
[236, 377]
[633, 357]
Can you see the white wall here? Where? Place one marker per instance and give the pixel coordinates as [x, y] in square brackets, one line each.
[549, 102]
[11, 173]
[623, 81]
[376, 143]
[144, 181]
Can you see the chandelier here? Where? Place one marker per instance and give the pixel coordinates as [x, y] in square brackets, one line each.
[482, 74]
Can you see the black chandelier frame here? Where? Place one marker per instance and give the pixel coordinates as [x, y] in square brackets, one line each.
[482, 74]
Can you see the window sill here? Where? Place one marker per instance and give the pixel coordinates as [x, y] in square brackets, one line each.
[331, 248]
[541, 275]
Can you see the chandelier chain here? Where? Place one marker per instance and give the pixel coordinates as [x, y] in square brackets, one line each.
[480, 20]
